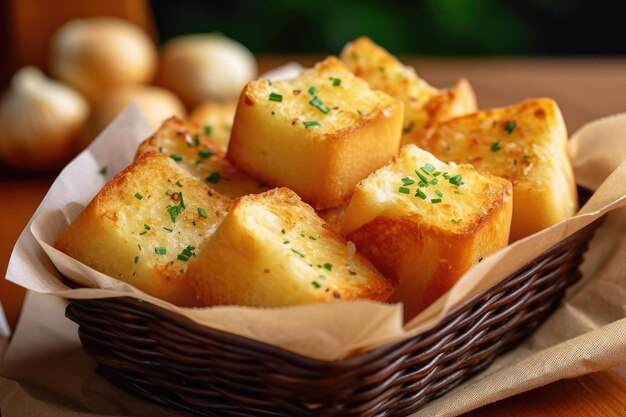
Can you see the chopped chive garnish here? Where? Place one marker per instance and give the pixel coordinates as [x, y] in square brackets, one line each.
[408, 128]
[496, 147]
[435, 200]
[182, 257]
[439, 193]
[408, 181]
[196, 139]
[436, 173]
[312, 238]
[421, 176]
[434, 181]
[352, 273]
[208, 130]
[316, 102]
[103, 171]
[311, 124]
[276, 97]
[336, 82]
[145, 226]
[404, 190]
[285, 242]
[186, 253]
[202, 212]
[282, 231]
[526, 156]
[510, 127]
[176, 157]
[182, 200]
[322, 276]
[205, 153]
[419, 193]
[456, 221]
[169, 191]
[423, 184]
[297, 252]
[316, 284]
[328, 266]
[312, 90]
[214, 178]
[160, 250]
[456, 192]
[360, 112]
[175, 211]
[428, 168]
[273, 112]
[136, 259]
[143, 233]
[456, 180]
[161, 149]
[180, 184]
[138, 196]
[446, 175]
[168, 229]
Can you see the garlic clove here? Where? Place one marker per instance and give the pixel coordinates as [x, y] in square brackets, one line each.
[40, 121]
[206, 67]
[97, 54]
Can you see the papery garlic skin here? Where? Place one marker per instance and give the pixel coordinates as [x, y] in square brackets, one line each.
[206, 67]
[40, 121]
[97, 54]
[156, 104]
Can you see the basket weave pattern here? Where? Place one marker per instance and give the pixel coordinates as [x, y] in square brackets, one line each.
[170, 360]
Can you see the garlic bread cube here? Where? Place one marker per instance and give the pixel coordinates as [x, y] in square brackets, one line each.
[194, 151]
[333, 216]
[317, 134]
[424, 105]
[526, 144]
[145, 225]
[424, 223]
[273, 250]
[216, 120]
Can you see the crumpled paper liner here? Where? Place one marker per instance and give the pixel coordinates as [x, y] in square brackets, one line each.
[321, 331]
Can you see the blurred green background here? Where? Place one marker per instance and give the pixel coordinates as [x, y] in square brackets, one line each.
[425, 27]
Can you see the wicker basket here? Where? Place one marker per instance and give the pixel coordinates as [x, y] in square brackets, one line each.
[175, 362]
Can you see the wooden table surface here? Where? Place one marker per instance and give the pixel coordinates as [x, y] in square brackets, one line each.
[585, 89]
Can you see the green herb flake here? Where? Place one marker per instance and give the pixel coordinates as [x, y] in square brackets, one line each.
[205, 153]
[273, 113]
[419, 193]
[186, 253]
[312, 90]
[328, 266]
[456, 192]
[298, 253]
[160, 250]
[428, 168]
[439, 193]
[408, 128]
[456, 221]
[408, 181]
[104, 171]
[169, 191]
[510, 127]
[285, 242]
[145, 226]
[435, 200]
[336, 82]
[317, 103]
[322, 276]
[360, 113]
[436, 173]
[526, 156]
[138, 196]
[168, 229]
[282, 231]
[456, 180]
[214, 178]
[352, 273]
[434, 181]
[175, 211]
[446, 175]
[143, 233]
[312, 238]
[196, 139]
[421, 176]
[316, 284]
[404, 190]
[136, 259]
[161, 149]
[180, 184]
[276, 97]
[176, 157]
[311, 124]
[208, 130]
[202, 212]
[496, 147]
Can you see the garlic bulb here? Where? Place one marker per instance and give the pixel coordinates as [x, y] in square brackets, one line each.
[206, 67]
[97, 54]
[157, 104]
[40, 120]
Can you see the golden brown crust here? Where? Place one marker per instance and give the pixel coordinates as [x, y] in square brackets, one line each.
[218, 117]
[290, 258]
[359, 132]
[120, 230]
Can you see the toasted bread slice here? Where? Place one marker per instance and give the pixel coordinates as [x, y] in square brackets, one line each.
[273, 250]
[318, 134]
[526, 144]
[216, 120]
[424, 105]
[144, 225]
[194, 151]
[425, 223]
